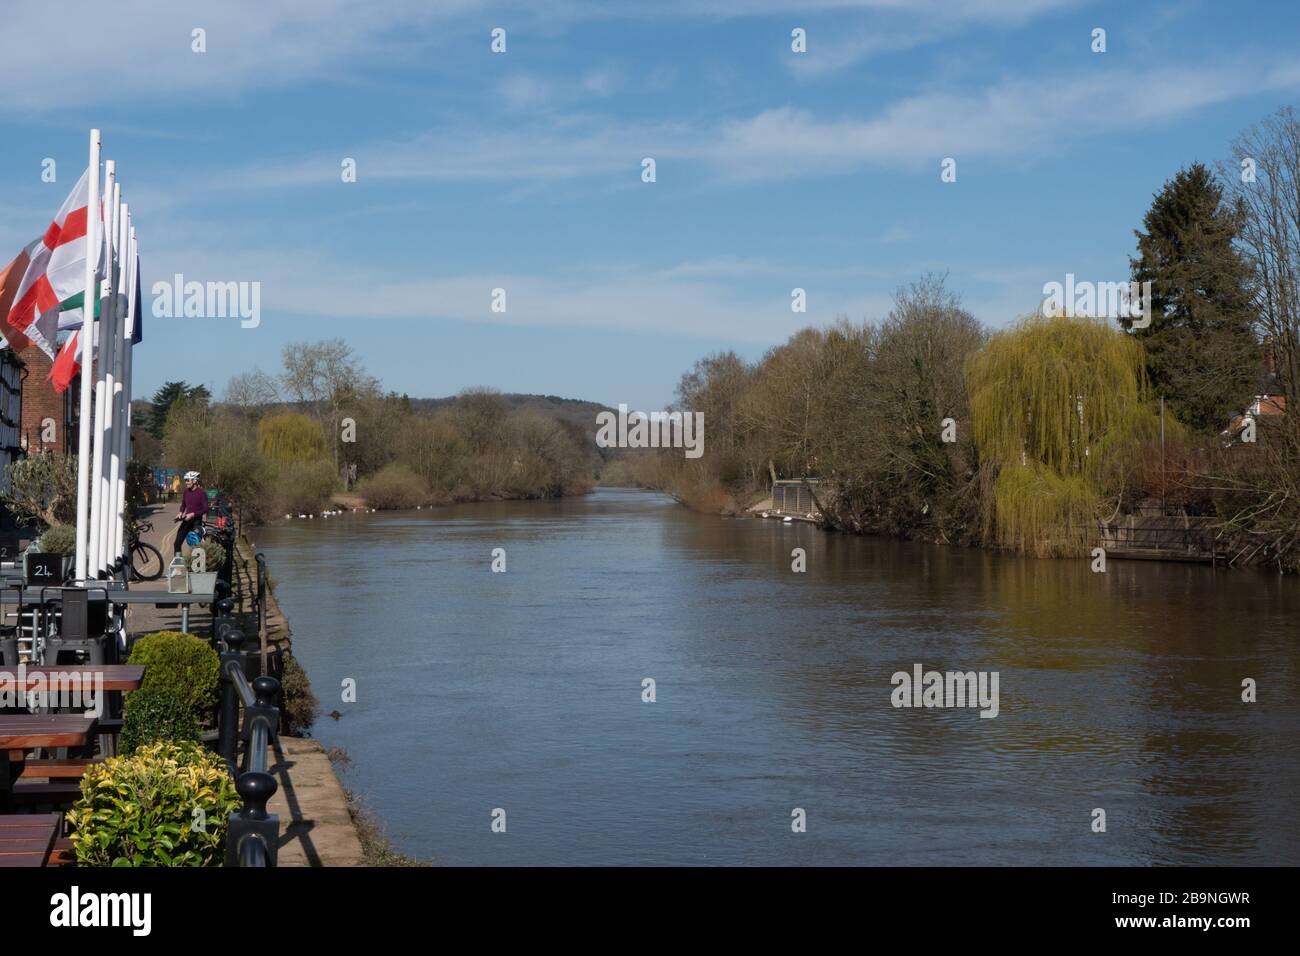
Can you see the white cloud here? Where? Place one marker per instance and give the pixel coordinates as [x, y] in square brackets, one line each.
[140, 50]
[524, 91]
[92, 52]
[896, 27]
[1025, 116]
[601, 82]
[696, 299]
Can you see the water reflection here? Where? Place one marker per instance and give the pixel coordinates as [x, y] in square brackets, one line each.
[523, 691]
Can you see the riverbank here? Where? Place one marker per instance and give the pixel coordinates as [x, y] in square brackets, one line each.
[324, 822]
[316, 824]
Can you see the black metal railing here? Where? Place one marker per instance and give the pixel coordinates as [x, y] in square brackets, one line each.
[254, 833]
[795, 496]
[260, 558]
[1172, 534]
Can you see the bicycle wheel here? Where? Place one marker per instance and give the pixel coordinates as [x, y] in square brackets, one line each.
[146, 562]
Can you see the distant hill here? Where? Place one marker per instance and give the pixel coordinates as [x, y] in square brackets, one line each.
[579, 412]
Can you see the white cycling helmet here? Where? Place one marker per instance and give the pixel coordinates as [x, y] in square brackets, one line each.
[191, 476]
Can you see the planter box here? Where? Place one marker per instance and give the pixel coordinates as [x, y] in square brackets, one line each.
[203, 582]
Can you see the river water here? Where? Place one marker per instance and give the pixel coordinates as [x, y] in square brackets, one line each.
[523, 692]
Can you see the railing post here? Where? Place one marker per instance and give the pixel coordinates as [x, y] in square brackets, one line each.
[228, 716]
[265, 710]
[254, 834]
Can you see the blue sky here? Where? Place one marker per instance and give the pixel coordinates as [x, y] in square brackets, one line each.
[522, 170]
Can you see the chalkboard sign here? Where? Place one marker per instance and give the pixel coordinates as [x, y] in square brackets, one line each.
[44, 569]
[10, 547]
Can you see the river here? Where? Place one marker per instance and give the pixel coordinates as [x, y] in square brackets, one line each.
[523, 691]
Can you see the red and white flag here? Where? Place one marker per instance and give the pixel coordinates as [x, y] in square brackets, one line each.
[53, 269]
[68, 364]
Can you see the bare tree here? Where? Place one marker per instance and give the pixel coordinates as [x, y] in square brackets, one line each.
[325, 377]
[1263, 180]
[248, 391]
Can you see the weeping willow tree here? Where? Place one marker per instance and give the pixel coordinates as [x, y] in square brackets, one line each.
[290, 438]
[1059, 406]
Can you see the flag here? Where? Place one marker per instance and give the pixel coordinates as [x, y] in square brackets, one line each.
[137, 324]
[70, 316]
[54, 270]
[68, 364]
[10, 279]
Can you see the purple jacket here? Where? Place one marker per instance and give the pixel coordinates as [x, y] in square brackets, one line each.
[194, 501]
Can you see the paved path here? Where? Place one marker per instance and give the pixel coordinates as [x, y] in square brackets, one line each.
[315, 825]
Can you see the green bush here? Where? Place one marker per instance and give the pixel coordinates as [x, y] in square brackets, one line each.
[297, 700]
[304, 487]
[59, 539]
[155, 714]
[185, 664]
[393, 486]
[43, 488]
[214, 555]
[142, 810]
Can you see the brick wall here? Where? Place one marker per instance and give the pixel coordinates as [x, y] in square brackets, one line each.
[42, 402]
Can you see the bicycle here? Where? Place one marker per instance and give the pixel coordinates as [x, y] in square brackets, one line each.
[143, 559]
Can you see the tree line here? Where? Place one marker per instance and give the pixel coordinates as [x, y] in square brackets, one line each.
[927, 424]
[290, 442]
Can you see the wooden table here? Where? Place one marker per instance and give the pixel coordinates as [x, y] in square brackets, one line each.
[20, 733]
[26, 839]
[114, 676]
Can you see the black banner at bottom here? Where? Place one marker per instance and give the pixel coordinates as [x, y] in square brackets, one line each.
[182, 906]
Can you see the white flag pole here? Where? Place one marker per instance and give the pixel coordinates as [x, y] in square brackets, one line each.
[122, 409]
[97, 464]
[113, 390]
[128, 355]
[87, 362]
[107, 359]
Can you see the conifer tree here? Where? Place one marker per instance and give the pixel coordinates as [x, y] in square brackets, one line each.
[1202, 355]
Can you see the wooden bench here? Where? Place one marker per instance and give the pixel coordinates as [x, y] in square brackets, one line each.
[61, 794]
[63, 853]
[27, 839]
[72, 768]
[21, 733]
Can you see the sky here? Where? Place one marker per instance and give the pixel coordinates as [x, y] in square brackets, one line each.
[523, 170]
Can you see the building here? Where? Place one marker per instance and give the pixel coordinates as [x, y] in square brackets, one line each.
[48, 418]
[12, 372]
[1268, 402]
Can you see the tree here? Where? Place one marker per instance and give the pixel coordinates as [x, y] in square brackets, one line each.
[166, 397]
[1201, 351]
[222, 447]
[289, 437]
[378, 423]
[784, 407]
[42, 488]
[325, 376]
[915, 385]
[1269, 203]
[251, 391]
[1059, 407]
[480, 415]
[1261, 493]
[716, 388]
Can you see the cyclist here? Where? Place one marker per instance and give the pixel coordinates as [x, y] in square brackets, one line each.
[194, 505]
